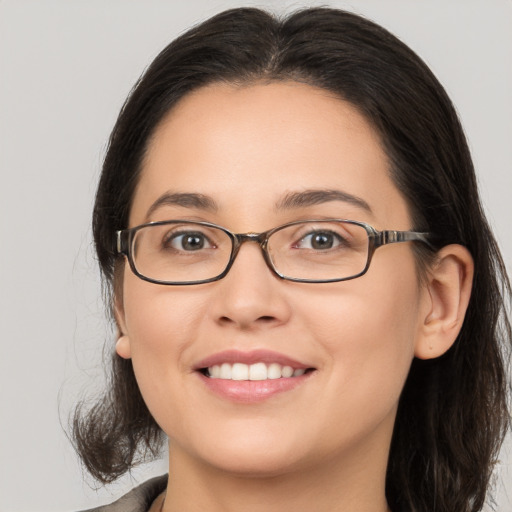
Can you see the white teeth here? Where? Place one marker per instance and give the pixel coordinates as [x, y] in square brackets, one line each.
[239, 371]
[287, 371]
[225, 371]
[215, 371]
[274, 371]
[257, 371]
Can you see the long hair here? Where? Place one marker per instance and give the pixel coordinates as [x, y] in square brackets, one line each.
[453, 411]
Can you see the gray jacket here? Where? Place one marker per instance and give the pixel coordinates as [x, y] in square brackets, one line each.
[138, 499]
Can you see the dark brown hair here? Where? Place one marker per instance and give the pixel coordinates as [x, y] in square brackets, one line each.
[453, 410]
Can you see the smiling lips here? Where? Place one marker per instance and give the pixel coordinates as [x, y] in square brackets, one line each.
[251, 376]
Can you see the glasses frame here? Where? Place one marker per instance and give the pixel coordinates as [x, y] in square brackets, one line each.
[125, 237]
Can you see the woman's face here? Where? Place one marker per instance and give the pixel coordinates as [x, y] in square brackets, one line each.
[246, 149]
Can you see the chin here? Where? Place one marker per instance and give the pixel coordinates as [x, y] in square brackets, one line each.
[266, 465]
[256, 456]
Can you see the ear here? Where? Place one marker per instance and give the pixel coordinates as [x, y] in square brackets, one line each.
[449, 289]
[123, 346]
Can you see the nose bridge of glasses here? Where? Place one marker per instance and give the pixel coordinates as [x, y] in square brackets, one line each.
[259, 238]
[241, 238]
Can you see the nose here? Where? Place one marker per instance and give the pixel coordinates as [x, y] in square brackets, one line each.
[251, 296]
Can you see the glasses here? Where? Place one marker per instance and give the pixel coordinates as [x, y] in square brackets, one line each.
[180, 252]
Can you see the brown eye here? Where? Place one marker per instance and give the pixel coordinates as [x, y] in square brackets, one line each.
[320, 240]
[188, 241]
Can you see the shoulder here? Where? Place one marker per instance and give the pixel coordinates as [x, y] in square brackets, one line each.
[138, 499]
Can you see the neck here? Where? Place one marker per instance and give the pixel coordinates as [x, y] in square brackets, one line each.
[354, 482]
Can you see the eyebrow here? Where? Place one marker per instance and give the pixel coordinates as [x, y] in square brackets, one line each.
[184, 199]
[290, 201]
[313, 197]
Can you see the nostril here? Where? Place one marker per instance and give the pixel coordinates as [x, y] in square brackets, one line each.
[266, 318]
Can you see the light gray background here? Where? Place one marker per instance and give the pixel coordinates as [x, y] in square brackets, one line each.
[65, 69]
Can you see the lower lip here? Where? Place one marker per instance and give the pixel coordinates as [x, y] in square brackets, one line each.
[251, 391]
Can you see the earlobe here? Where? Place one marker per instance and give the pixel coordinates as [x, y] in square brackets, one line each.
[449, 290]
[123, 347]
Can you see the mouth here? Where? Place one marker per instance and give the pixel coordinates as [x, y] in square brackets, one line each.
[252, 376]
[254, 365]
[256, 372]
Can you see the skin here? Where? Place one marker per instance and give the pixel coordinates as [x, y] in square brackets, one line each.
[324, 445]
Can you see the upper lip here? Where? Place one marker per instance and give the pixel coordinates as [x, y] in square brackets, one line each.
[251, 357]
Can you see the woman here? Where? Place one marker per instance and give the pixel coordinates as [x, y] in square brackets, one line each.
[252, 175]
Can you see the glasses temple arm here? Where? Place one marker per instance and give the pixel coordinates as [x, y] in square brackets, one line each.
[121, 242]
[392, 236]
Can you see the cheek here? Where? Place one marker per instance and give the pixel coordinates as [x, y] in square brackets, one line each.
[158, 318]
[162, 324]
[368, 329]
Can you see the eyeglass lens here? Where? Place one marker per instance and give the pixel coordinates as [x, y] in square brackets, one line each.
[186, 252]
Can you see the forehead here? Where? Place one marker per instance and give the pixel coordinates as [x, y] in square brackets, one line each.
[247, 146]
